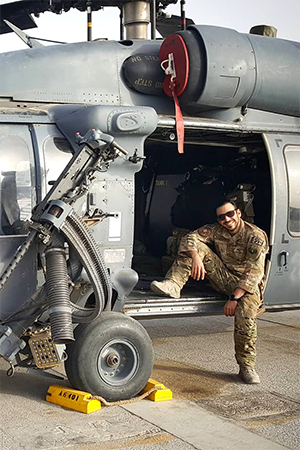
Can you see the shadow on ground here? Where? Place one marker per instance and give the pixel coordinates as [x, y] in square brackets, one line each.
[28, 385]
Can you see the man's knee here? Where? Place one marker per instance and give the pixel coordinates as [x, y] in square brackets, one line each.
[180, 270]
[248, 306]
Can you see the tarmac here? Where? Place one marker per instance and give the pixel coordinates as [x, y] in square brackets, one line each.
[30, 423]
[221, 414]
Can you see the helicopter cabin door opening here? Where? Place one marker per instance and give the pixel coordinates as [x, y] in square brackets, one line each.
[178, 192]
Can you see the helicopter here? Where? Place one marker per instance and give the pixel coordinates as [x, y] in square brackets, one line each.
[110, 151]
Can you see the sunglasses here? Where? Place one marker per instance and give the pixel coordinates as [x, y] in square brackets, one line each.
[228, 214]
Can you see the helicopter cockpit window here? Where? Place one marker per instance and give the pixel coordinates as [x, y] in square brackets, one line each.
[292, 160]
[57, 153]
[15, 186]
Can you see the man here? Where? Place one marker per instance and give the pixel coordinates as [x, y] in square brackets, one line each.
[236, 268]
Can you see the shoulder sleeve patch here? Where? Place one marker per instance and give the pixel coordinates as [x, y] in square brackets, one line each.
[257, 241]
[253, 250]
[204, 231]
[255, 246]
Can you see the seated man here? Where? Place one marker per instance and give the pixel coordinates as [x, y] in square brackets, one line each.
[236, 268]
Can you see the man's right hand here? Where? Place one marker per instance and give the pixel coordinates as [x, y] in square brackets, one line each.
[198, 270]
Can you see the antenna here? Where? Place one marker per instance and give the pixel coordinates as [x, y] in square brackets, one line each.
[153, 19]
[89, 20]
[121, 24]
[25, 38]
[29, 40]
[182, 13]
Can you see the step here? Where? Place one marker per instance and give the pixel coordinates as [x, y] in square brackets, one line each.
[146, 304]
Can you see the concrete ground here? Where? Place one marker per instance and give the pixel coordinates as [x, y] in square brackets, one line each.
[211, 409]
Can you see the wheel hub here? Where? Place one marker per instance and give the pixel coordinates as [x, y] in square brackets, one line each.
[113, 360]
[118, 362]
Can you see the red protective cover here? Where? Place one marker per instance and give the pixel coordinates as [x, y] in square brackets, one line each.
[176, 45]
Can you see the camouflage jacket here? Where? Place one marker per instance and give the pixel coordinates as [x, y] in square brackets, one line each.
[243, 253]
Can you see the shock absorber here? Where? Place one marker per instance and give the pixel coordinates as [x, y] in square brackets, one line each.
[58, 296]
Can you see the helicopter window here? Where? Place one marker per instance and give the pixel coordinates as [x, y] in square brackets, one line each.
[292, 160]
[15, 185]
[63, 144]
[57, 152]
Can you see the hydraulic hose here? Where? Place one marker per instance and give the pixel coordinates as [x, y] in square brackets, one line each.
[74, 265]
[81, 239]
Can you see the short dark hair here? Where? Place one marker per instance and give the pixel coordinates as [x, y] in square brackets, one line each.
[225, 202]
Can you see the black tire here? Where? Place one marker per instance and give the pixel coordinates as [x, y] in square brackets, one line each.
[111, 357]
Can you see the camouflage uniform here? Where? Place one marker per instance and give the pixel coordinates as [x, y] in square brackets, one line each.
[238, 262]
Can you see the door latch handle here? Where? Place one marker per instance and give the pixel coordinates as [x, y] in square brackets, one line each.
[282, 258]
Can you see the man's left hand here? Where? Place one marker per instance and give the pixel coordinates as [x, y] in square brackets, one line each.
[230, 307]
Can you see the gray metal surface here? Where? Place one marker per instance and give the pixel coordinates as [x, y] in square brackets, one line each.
[10, 344]
[227, 83]
[136, 19]
[96, 74]
[239, 70]
[271, 56]
[282, 275]
[115, 188]
[232, 120]
[142, 303]
[118, 362]
[18, 258]
[243, 70]
[113, 191]
[17, 117]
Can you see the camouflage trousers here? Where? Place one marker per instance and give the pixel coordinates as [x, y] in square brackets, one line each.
[222, 280]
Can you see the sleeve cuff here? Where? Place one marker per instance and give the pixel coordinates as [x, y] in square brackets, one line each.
[182, 251]
[246, 287]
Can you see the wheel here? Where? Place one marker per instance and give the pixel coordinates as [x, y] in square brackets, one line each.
[111, 356]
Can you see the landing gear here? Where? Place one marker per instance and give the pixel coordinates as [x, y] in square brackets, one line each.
[111, 357]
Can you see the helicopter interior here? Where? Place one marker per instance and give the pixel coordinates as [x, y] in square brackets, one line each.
[176, 192]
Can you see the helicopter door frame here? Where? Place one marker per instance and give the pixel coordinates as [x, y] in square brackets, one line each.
[283, 268]
[50, 158]
[17, 162]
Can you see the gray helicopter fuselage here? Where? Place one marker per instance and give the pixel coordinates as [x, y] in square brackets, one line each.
[246, 101]
[82, 73]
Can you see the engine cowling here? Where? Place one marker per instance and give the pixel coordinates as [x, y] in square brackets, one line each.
[227, 69]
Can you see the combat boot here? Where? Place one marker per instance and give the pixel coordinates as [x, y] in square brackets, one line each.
[249, 375]
[166, 288]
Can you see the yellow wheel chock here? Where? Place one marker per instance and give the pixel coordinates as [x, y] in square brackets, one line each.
[87, 403]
